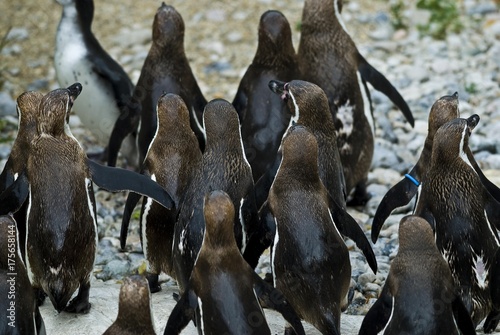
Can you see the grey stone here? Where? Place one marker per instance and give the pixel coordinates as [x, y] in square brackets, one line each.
[7, 105]
[18, 34]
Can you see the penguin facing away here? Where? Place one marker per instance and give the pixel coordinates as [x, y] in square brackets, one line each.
[166, 69]
[465, 218]
[80, 57]
[172, 160]
[419, 294]
[328, 57]
[264, 117]
[224, 167]
[224, 294]
[61, 236]
[18, 302]
[134, 309]
[308, 251]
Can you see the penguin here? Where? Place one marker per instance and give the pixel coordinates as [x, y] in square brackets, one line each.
[80, 57]
[18, 303]
[419, 294]
[309, 259]
[172, 159]
[134, 309]
[264, 117]
[442, 111]
[309, 106]
[224, 295]
[166, 69]
[61, 236]
[464, 216]
[224, 167]
[27, 108]
[328, 57]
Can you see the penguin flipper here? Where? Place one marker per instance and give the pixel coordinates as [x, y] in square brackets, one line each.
[132, 200]
[492, 209]
[462, 317]
[127, 123]
[491, 322]
[12, 199]
[6, 177]
[347, 226]
[377, 317]
[271, 297]
[382, 84]
[183, 312]
[399, 195]
[261, 238]
[115, 179]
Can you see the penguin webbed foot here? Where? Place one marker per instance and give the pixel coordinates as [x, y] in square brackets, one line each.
[40, 296]
[360, 196]
[491, 322]
[154, 286]
[80, 303]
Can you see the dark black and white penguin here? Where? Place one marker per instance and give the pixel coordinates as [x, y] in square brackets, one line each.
[166, 69]
[328, 57]
[465, 218]
[79, 57]
[264, 116]
[172, 160]
[419, 295]
[20, 312]
[61, 236]
[309, 259]
[224, 294]
[224, 167]
[134, 309]
[442, 111]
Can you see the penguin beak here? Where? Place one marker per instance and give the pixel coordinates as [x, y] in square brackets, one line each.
[279, 87]
[74, 92]
[472, 122]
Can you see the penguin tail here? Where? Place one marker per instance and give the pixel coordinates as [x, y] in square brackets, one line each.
[58, 293]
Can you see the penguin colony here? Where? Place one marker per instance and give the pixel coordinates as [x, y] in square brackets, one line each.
[223, 181]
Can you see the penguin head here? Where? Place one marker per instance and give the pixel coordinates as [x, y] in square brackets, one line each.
[172, 111]
[134, 301]
[443, 110]
[168, 27]
[299, 149]
[221, 123]
[275, 38]
[54, 109]
[452, 139]
[218, 210]
[415, 233]
[27, 107]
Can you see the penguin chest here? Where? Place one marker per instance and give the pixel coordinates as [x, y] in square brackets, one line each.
[96, 105]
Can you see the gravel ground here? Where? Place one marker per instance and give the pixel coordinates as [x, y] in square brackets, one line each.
[220, 42]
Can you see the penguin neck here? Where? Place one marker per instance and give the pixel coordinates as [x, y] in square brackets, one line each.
[72, 21]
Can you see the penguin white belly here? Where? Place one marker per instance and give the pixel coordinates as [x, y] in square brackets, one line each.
[96, 105]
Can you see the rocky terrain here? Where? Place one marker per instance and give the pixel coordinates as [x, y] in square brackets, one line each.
[220, 43]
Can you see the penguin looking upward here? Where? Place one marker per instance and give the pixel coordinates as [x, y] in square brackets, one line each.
[264, 117]
[329, 58]
[79, 57]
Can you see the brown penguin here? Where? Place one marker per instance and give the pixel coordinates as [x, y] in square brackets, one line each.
[442, 111]
[465, 218]
[27, 109]
[61, 236]
[309, 259]
[329, 58]
[224, 167]
[224, 294]
[19, 310]
[419, 294]
[264, 116]
[165, 70]
[134, 309]
[172, 159]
